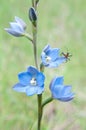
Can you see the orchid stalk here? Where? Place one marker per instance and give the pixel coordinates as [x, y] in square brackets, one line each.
[34, 31]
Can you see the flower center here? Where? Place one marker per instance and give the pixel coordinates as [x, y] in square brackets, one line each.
[33, 82]
[48, 58]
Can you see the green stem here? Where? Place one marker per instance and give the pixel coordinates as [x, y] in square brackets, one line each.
[35, 44]
[33, 3]
[28, 37]
[39, 111]
[39, 97]
[37, 1]
[47, 101]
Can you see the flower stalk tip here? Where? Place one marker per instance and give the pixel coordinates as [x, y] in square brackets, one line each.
[32, 15]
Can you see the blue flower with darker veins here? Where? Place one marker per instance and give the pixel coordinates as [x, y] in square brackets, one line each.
[17, 28]
[59, 91]
[30, 82]
[50, 57]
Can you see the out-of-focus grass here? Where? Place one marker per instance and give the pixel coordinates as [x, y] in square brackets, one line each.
[62, 24]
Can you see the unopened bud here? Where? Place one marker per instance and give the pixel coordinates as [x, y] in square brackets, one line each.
[32, 14]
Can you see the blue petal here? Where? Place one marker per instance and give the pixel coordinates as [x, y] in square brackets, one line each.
[32, 70]
[53, 64]
[61, 60]
[43, 57]
[12, 32]
[56, 63]
[66, 99]
[61, 91]
[59, 80]
[40, 79]
[19, 87]
[66, 90]
[57, 91]
[24, 78]
[52, 84]
[53, 54]
[40, 89]
[17, 27]
[31, 91]
[47, 47]
[56, 82]
[21, 22]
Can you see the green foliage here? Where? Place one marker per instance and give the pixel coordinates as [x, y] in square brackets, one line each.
[62, 24]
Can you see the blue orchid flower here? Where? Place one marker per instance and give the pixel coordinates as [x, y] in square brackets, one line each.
[50, 57]
[30, 82]
[17, 28]
[59, 91]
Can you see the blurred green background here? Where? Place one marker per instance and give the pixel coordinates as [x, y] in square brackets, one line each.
[63, 25]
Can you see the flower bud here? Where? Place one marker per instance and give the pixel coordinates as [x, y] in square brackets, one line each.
[17, 28]
[32, 14]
